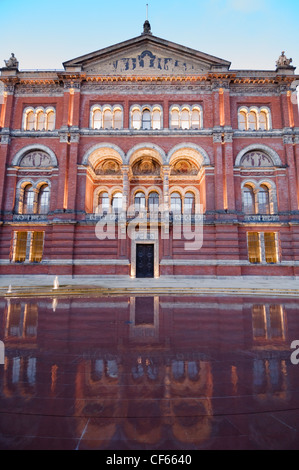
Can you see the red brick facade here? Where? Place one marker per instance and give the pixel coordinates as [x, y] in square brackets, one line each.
[230, 138]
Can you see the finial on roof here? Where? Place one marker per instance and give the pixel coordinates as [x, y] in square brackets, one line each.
[146, 25]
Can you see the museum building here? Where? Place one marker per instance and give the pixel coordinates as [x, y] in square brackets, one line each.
[107, 161]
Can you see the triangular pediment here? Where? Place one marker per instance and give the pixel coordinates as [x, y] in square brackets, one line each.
[146, 55]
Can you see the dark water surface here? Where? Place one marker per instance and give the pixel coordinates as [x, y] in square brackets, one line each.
[152, 373]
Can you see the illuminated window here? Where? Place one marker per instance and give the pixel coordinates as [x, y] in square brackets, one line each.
[262, 247]
[39, 119]
[254, 119]
[157, 119]
[254, 249]
[146, 118]
[118, 119]
[97, 119]
[50, 126]
[176, 203]
[107, 119]
[264, 200]
[28, 200]
[248, 200]
[270, 248]
[30, 121]
[43, 200]
[28, 246]
[136, 119]
[186, 117]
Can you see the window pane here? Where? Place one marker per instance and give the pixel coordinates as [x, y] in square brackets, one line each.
[40, 121]
[252, 121]
[139, 201]
[270, 248]
[175, 119]
[185, 122]
[118, 119]
[156, 119]
[30, 121]
[136, 119]
[242, 121]
[28, 206]
[146, 120]
[259, 321]
[189, 203]
[263, 121]
[248, 201]
[97, 119]
[153, 202]
[37, 246]
[264, 201]
[107, 124]
[50, 121]
[43, 200]
[195, 119]
[176, 203]
[117, 202]
[20, 247]
[254, 252]
[103, 202]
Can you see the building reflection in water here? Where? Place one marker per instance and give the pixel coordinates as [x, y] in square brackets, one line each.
[146, 372]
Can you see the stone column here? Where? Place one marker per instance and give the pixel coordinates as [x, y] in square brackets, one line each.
[218, 172]
[229, 172]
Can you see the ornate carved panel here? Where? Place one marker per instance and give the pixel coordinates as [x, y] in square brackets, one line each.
[256, 159]
[36, 159]
[184, 167]
[108, 167]
[146, 166]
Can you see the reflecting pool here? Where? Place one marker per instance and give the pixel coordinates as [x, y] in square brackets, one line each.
[156, 373]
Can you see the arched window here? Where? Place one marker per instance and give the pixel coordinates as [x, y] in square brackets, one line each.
[43, 200]
[153, 201]
[243, 120]
[136, 119]
[264, 200]
[195, 118]
[252, 121]
[28, 200]
[118, 119]
[30, 121]
[97, 119]
[40, 121]
[185, 119]
[107, 119]
[248, 200]
[50, 125]
[103, 202]
[189, 203]
[175, 119]
[117, 202]
[139, 202]
[176, 203]
[263, 121]
[156, 119]
[146, 119]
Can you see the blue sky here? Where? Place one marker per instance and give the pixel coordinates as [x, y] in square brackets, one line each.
[249, 33]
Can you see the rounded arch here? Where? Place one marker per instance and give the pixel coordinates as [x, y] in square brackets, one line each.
[21, 153]
[145, 149]
[261, 148]
[100, 151]
[189, 150]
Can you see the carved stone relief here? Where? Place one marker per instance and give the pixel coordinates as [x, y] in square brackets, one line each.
[146, 166]
[108, 167]
[36, 159]
[183, 167]
[146, 62]
[256, 159]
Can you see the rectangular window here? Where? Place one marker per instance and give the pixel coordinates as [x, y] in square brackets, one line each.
[262, 247]
[270, 248]
[254, 248]
[28, 246]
